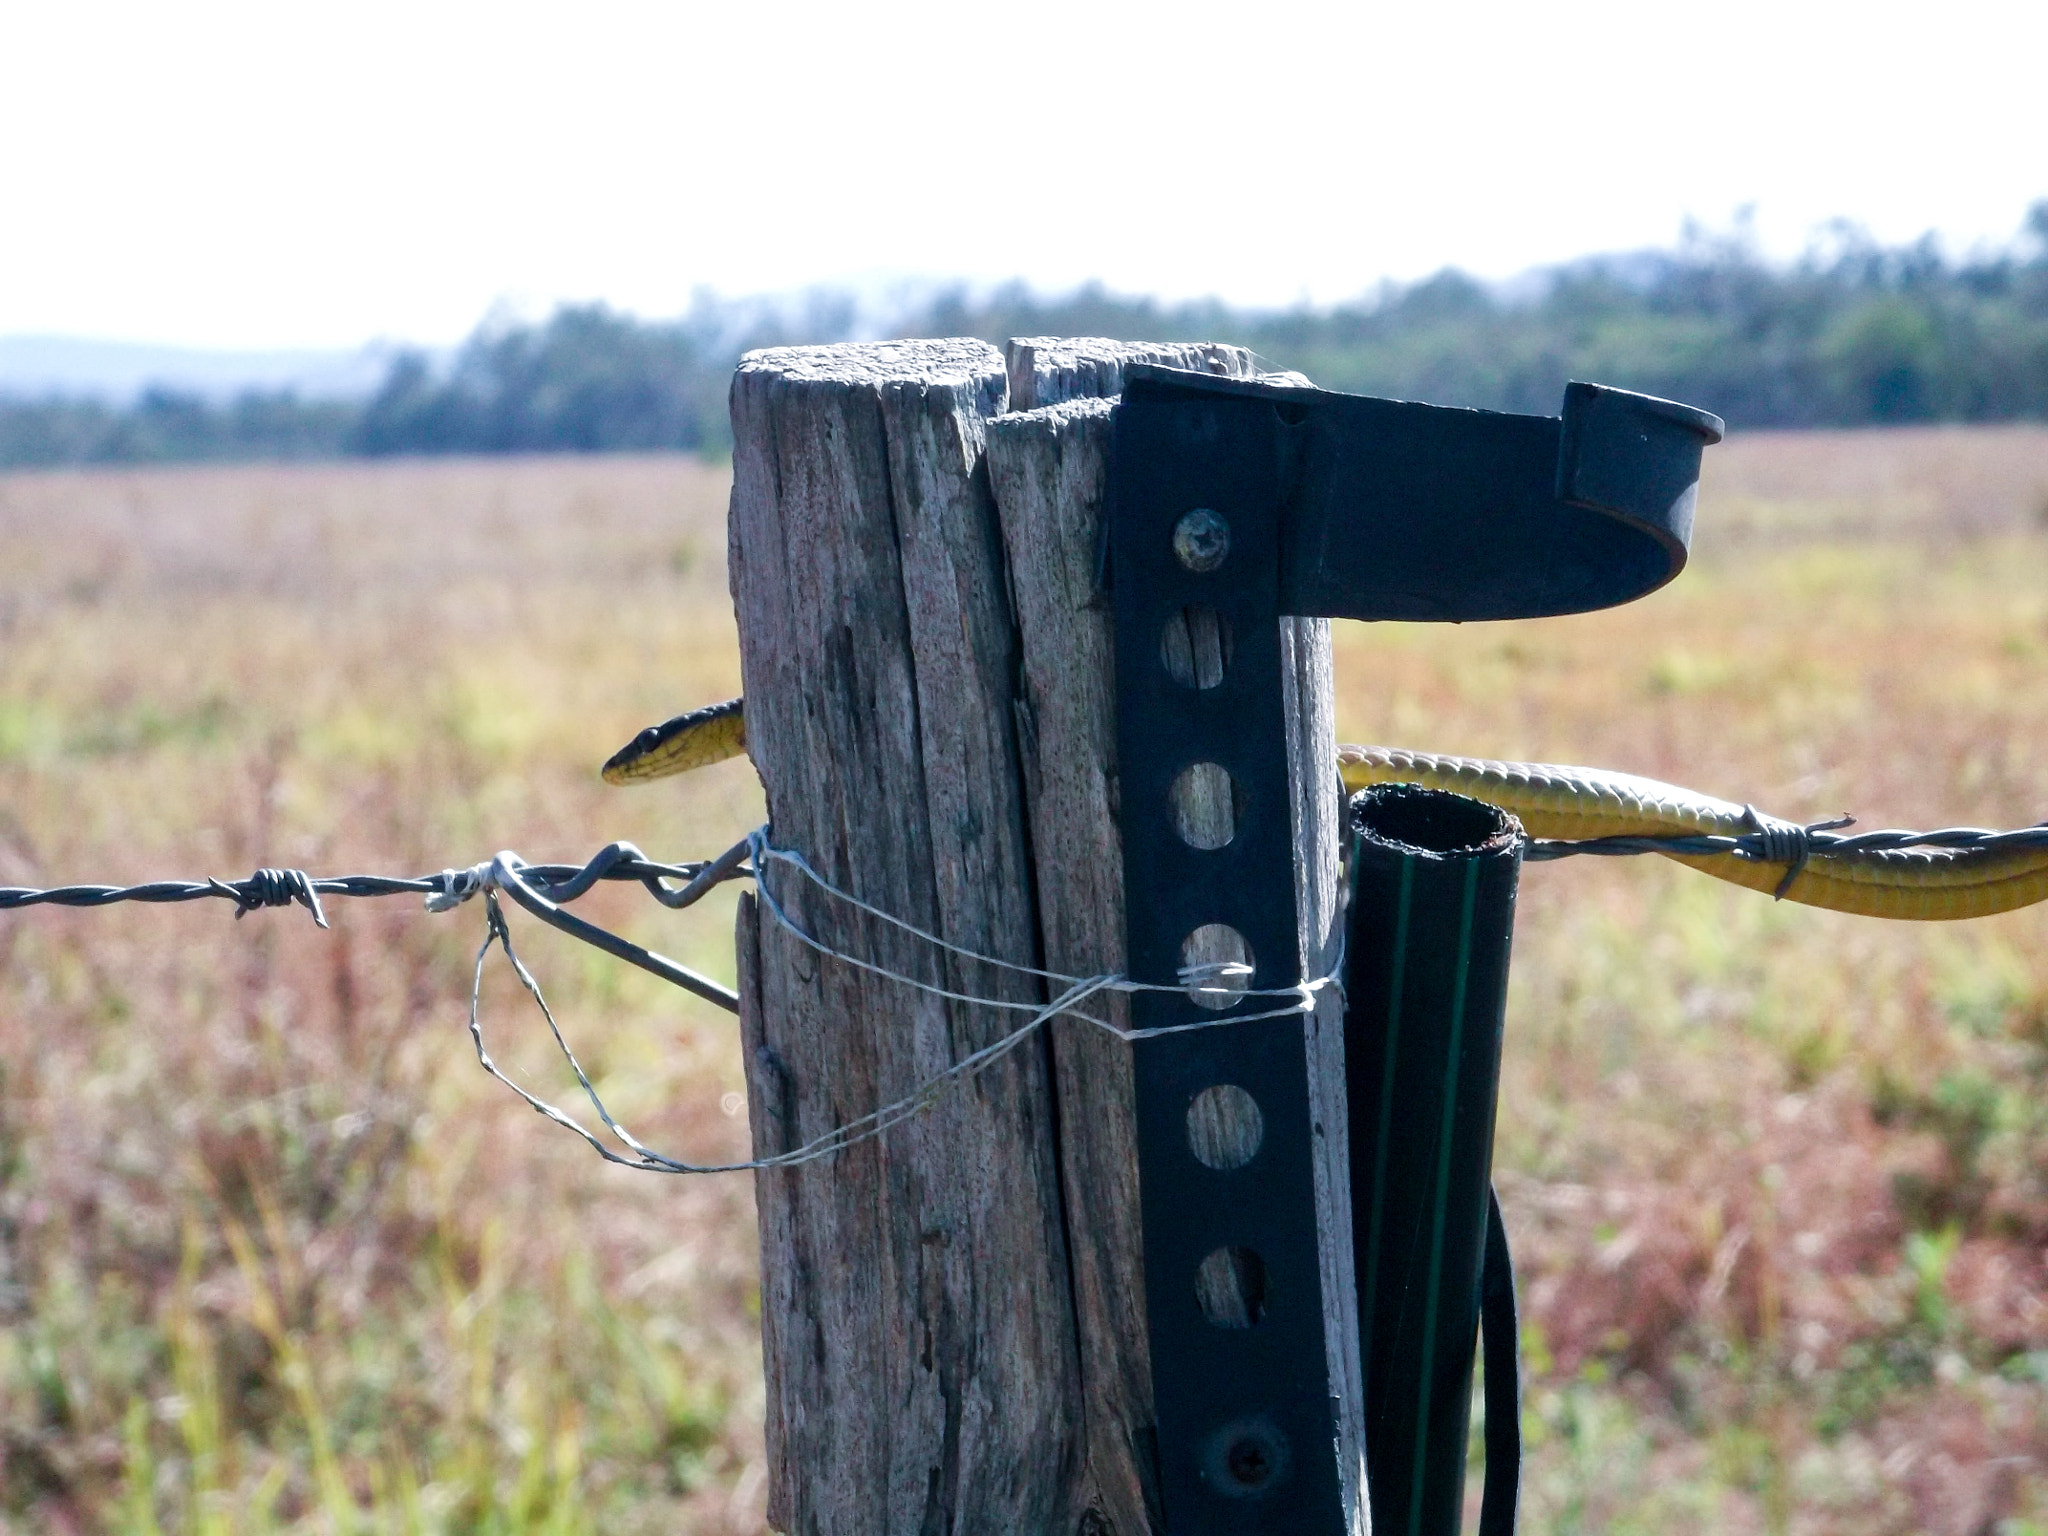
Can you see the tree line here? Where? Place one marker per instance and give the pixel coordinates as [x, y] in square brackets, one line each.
[1853, 333]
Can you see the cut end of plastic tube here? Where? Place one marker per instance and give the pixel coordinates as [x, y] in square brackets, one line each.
[1431, 823]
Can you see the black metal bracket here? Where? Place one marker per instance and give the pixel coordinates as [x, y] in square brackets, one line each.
[1231, 504]
[1245, 1426]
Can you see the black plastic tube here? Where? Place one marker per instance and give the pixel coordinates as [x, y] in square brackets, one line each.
[1433, 880]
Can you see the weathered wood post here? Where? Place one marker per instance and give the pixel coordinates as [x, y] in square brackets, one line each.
[953, 1314]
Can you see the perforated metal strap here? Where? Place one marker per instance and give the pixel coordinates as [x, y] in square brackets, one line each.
[1246, 1431]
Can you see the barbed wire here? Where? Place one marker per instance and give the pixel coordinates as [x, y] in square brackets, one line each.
[283, 887]
[1771, 840]
[558, 883]
[541, 889]
[1819, 837]
[544, 889]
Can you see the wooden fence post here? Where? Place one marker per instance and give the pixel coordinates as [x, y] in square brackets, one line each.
[953, 1314]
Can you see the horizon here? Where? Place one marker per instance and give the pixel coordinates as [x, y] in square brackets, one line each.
[120, 368]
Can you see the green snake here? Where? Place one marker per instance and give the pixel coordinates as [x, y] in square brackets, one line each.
[1554, 801]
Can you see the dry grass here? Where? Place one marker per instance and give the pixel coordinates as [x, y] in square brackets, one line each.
[272, 1249]
[272, 1253]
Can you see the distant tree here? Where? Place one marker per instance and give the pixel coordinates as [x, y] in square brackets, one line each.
[36, 434]
[1852, 333]
[588, 380]
[407, 414]
[1882, 359]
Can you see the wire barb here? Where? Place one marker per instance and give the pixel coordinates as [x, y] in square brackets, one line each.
[1782, 842]
[273, 888]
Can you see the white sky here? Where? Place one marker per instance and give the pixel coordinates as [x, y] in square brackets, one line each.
[315, 174]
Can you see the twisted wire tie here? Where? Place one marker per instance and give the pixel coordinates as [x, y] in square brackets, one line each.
[458, 885]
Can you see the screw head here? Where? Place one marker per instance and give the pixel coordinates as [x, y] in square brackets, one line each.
[1250, 1461]
[1246, 1458]
[1201, 540]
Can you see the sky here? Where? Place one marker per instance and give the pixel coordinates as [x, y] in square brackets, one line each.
[315, 175]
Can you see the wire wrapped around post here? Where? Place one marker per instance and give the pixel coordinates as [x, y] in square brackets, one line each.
[1432, 909]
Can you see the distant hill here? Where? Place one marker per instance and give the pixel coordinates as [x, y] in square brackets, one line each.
[1851, 334]
[118, 371]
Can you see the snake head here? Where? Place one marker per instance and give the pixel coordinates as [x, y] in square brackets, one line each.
[693, 740]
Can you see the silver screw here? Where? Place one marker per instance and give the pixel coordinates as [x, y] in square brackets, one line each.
[1201, 540]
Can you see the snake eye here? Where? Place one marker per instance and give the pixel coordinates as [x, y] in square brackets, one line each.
[650, 736]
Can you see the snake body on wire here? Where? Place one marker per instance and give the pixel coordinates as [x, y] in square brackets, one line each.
[1556, 801]
[1567, 804]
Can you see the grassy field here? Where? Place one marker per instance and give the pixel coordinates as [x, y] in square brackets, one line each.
[276, 1256]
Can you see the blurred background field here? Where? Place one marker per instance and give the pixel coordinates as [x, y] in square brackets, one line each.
[275, 1254]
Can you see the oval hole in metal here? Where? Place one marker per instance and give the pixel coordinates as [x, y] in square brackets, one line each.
[1205, 805]
[1225, 1127]
[1231, 1287]
[1216, 965]
[1194, 646]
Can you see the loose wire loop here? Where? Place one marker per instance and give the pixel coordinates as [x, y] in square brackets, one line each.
[1214, 980]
